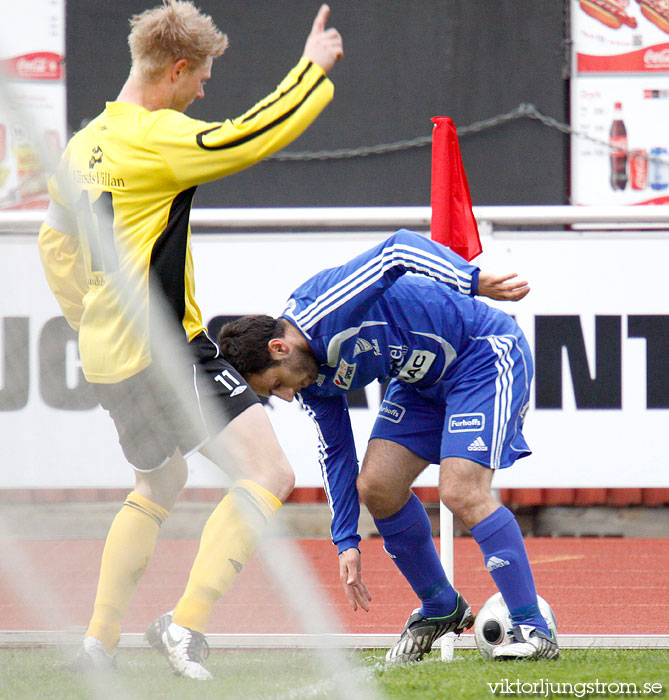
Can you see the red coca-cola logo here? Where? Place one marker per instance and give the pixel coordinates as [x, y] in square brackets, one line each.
[657, 59]
[43, 65]
[652, 58]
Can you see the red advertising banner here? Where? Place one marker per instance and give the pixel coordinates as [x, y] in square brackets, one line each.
[32, 100]
[621, 36]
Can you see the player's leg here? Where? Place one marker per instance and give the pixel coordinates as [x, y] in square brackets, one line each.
[390, 466]
[384, 486]
[245, 446]
[464, 487]
[129, 546]
[483, 432]
[230, 535]
[137, 407]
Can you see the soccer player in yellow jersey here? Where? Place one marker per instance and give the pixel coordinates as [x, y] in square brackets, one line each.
[116, 234]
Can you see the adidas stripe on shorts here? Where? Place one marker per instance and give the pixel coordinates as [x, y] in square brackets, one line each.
[475, 413]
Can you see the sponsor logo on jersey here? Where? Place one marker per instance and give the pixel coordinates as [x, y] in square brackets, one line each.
[344, 375]
[320, 379]
[417, 366]
[96, 157]
[239, 390]
[377, 349]
[362, 345]
[466, 422]
[523, 412]
[397, 354]
[391, 411]
[103, 178]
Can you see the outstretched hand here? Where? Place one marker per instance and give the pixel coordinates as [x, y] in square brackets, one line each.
[324, 46]
[350, 575]
[500, 287]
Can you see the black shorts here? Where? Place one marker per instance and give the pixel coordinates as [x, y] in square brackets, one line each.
[154, 419]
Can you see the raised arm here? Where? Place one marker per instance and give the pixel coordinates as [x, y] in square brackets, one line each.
[199, 151]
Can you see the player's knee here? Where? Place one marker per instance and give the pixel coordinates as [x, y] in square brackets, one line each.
[165, 484]
[375, 495]
[457, 497]
[285, 479]
[276, 475]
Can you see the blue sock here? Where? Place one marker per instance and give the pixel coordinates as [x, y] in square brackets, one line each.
[407, 537]
[504, 554]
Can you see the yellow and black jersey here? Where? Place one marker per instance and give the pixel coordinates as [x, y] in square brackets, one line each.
[120, 209]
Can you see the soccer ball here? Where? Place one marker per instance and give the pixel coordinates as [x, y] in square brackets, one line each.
[493, 624]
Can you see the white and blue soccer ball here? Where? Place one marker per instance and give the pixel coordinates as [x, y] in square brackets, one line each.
[493, 624]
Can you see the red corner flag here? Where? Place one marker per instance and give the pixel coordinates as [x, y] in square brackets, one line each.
[453, 222]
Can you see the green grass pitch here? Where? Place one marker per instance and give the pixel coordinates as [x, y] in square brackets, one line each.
[31, 673]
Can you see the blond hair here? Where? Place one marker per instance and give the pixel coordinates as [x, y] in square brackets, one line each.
[173, 31]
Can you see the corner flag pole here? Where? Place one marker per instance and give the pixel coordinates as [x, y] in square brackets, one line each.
[454, 225]
[446, 552]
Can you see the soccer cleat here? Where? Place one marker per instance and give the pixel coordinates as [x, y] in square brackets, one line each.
[92, 657]
[420, 633]
[184, 648]
[527, 642]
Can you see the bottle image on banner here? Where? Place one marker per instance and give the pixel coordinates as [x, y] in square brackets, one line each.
[618, 142]
[658, 169]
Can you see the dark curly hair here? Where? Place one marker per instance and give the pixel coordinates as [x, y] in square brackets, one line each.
[243, 343]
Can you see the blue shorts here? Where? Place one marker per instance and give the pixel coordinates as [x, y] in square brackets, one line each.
[476, 412]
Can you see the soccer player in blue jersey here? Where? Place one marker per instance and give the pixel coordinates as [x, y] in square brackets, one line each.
[460, 374]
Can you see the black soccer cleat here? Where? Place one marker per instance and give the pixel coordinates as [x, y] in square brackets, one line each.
[420, 633]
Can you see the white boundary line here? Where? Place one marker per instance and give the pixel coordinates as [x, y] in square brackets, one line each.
[18, 638]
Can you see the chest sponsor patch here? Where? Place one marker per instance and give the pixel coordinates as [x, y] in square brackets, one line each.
[344, 375]
[417, 366]
[466, 422]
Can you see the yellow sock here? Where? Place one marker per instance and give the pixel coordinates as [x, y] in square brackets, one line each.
[228, 540]
[128, 549]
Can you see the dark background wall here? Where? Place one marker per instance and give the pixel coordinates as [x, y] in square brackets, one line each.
[406, 61]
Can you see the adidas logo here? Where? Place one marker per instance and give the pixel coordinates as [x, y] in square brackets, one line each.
[478, 445]
[496, 563]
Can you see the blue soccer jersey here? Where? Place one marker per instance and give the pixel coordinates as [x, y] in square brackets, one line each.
[403, 310]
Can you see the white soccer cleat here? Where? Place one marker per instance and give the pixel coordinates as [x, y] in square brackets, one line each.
[528, 643]
[92, 657]
[185, 649]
